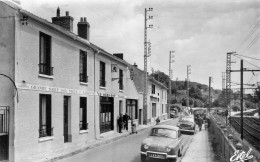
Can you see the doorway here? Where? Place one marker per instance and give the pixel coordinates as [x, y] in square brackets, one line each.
[66, 119]
[106, 114]
[4, 132]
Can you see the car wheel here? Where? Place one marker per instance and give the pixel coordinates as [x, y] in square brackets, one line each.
[143, 158]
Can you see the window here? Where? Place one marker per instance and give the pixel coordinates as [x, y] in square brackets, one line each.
[153, 109]
[162, 109]
[83, 125]
[131, 108]
[45, 128]
[83, 67]
[162, 94]
[102, 80]
[45, 55]
[121, 86]
[153, 89]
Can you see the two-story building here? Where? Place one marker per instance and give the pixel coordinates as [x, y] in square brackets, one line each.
[59, 91]
[156, 97]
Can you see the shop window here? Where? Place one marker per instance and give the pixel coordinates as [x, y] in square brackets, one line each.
[45, 128]
[83, 125]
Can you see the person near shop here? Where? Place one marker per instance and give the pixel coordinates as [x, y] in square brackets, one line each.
[126, 117]
[120, 122]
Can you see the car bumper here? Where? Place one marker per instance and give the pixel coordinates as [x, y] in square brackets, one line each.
[166, 155]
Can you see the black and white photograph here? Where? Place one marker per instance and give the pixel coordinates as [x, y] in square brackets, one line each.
[129, 81]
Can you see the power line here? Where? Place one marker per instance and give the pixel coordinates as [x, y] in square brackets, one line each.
[248, 57]
[248, 62]
[253, 41]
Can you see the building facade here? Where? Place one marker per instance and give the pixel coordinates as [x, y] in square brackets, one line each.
[156, 97]
[59, 91]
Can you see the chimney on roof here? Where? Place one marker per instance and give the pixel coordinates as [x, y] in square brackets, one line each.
[58, 12]
[119, 55]
[63, 21]
[135, 65]
[83, 28]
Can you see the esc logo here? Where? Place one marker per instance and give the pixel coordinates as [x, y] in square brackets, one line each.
[241, 156]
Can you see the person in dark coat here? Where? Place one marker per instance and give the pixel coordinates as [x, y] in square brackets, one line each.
[120, 122]
[126, 117]
[200, 122]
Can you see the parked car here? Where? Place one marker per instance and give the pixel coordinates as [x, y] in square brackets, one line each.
[187, 124]
[174, 113]
[163, 142]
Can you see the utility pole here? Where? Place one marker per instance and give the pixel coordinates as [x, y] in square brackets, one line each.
[176, 89]
[145, 63]
[210, 80]
[241, 101]
[188, 72]
[170, 81]
[228, 84]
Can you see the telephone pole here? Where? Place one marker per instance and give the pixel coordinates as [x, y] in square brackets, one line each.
[170, 80]
[188, 72]
[210, 80]
[242, 97]
[145, 62]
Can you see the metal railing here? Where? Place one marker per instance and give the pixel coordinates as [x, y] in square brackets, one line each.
[44, 132]
[102, 83]
[83, 126]
[45, 69]
[83, 78]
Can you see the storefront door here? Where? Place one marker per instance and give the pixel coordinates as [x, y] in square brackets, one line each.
[106, 114]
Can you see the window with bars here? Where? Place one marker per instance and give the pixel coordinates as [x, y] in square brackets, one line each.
[83, 67]
[45, 55]
[45, 127]
[83, 125]
[121, 86]
[102, 79]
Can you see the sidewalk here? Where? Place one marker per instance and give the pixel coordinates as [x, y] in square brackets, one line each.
[199, 149]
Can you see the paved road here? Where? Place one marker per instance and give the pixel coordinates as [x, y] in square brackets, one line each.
[123, 150]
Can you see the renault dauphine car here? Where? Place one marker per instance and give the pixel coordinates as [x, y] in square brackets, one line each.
[187, 124]
[163, 142]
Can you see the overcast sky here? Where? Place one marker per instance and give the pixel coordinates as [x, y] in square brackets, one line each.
[200, 32]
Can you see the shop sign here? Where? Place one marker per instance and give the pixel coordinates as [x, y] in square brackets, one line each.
[52, 89]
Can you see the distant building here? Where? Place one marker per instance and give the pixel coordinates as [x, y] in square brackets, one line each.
[156, 97]
[58, 90]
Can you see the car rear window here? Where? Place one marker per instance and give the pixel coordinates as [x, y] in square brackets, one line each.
[163, 132]
[187, 119]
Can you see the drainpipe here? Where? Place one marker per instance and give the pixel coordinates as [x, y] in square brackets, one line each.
[95, 127]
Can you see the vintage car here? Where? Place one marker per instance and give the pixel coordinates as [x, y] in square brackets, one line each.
[163, 142]
[187, 124]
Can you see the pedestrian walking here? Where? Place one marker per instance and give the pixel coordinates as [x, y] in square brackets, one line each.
[157, 120]
[200, 122]
[120, 122]
[126, 117]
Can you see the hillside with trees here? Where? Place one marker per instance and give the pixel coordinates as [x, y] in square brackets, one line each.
[198, 93]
